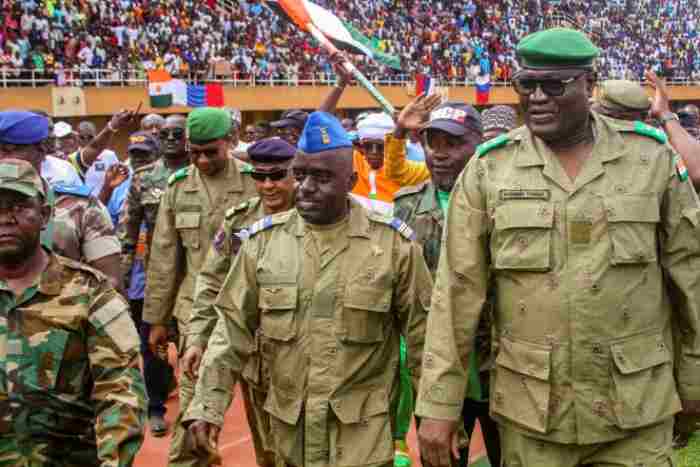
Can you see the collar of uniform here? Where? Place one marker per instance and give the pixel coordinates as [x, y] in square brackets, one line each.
[358, 224]
[428, 201]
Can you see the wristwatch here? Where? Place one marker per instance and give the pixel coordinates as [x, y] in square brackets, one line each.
[667, 117]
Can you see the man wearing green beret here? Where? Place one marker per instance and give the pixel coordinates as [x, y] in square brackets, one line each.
[191, 210]
[587, 229]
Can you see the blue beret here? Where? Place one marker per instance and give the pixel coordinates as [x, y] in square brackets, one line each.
[323, 132]
[271, 150]
[20, 127]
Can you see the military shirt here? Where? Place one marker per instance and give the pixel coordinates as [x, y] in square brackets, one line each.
[332, 313]
[191, 211]
[218, 261]
[148, 184]
[71, 390]
[585, 272]
[80, 227]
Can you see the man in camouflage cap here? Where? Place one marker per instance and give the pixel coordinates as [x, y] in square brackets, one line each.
[331, 288]
[80, 227]
[270, 159]
[191, 210]
[622, 99]
[72, 393]
[589, 231]
[497, 120]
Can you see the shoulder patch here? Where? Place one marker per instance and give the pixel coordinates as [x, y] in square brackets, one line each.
[681, 169]
[643, 129]
[178, 175]
[263, 224]
[236, 209]
[76, 190]
[396, 224]
[410, 190]
[491, 144]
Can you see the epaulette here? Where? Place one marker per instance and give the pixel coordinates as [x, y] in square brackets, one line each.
[395, 223]
[491, 144]
[246, 168]
[82, 191]
[178, 175]
[238, 208]
[264, 224]
[643, 129]
[410, 190]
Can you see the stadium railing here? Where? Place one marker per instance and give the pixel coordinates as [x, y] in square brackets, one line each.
[13, 77]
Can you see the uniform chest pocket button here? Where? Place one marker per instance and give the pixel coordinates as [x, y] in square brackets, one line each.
[522, 236]
[277, 304]
[632, 222]
[365, 314]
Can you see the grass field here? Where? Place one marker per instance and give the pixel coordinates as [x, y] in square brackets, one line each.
[690, 456]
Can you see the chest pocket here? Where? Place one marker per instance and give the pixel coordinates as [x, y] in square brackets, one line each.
[366, 314]
[632, 222]
[277, 304]
[187, 225]
[522, 236]
[39, 360]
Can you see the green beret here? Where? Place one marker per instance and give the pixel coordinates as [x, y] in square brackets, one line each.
[207, 124]
[623, 96]
[557, 48]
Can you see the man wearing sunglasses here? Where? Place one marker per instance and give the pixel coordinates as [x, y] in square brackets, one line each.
[587, 229]
[135, 202]
[191, 211]
[271, 159]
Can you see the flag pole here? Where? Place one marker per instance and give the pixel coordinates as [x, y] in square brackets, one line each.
[350, 68]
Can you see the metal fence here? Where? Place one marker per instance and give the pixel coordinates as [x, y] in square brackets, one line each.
[11, 77]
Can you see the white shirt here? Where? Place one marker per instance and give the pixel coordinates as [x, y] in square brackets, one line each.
[55, 171]
[95, 175]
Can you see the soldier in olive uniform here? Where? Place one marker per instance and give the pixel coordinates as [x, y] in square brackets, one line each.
[191, 210]
[137, 221]
[451, 135]
[589, 230]
[330, 288]
[71, 393]
[80, 227]
[270, 159]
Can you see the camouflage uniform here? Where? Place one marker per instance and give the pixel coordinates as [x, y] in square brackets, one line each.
[192, 209]
[80, 227]
[585, 274]
[71, 390]
[203, 329]
[331, 302]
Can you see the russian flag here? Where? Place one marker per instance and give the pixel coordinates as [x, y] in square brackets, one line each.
[424, 84]
[483, 89]
[209, 95]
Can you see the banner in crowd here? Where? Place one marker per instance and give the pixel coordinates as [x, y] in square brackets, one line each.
[68, 101]
[483, 89]
[164, 91]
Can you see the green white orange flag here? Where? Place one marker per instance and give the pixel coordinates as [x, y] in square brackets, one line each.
[160, 89]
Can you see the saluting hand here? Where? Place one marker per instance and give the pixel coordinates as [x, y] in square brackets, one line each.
[660, 103]
[417, 112]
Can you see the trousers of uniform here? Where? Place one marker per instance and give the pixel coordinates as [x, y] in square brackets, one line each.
[157, 373]
[471, 412]
[645, 447]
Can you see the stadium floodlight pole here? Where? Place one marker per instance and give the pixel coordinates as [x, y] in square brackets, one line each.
[350, 68]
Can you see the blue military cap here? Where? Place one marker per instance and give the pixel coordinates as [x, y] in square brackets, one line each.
[21, 127]
[323, 132]
[271, 150]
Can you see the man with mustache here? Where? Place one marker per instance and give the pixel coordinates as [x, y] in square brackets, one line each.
[191, 210]
[588, 230]
[331, 288]
[271, 159]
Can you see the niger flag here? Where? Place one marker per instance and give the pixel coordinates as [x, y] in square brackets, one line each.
[160, 89]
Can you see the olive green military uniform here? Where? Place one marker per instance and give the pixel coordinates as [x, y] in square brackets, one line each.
[204, 318]
[331, 302]
[191, 210]
[582, 313]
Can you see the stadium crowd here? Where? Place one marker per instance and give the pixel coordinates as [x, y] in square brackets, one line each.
[451, 40]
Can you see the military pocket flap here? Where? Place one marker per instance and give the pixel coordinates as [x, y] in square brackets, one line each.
[524, 358]
[284, 406]
[368, 298]
[277, 297]
[632, 209]
[187, 220]
[358, 405]
[640, 353]
[693, 216]
[524, 215]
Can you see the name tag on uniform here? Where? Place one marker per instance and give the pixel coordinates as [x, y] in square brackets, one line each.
[506, 195]
[580, 231]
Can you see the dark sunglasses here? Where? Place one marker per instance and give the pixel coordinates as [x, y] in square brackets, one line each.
[275, 176]
[175, 133]
[371, 148]
[551, 87]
